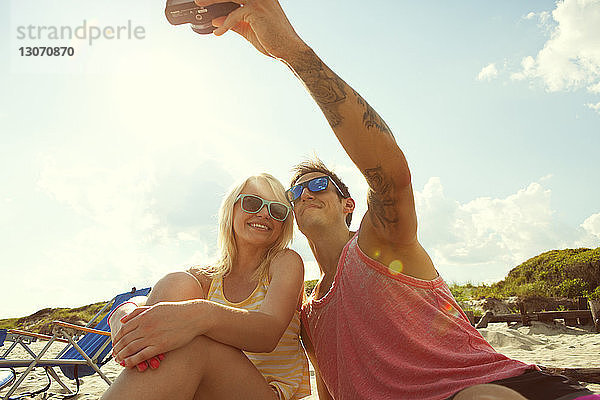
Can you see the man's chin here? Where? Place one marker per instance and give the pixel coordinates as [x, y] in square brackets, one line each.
[310, 223]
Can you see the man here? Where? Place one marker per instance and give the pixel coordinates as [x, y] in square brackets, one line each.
[381, 323]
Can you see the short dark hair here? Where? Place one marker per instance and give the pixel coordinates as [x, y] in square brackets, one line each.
[316, 165]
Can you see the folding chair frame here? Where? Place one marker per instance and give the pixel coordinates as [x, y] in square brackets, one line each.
[24, 338]
[62, 332]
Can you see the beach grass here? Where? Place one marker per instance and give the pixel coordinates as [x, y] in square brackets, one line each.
[41, 321]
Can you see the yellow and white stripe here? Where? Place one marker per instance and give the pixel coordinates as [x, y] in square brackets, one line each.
[286, 367]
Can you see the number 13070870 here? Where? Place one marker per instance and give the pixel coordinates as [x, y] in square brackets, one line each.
[46, 51]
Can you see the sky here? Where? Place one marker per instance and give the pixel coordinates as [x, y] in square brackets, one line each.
[113, 161]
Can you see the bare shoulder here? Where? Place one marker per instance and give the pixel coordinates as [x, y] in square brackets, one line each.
[203, 279]
[288, 256]
[409, 258]
[286, 261]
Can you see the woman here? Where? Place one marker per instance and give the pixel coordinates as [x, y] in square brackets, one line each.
[230, 331]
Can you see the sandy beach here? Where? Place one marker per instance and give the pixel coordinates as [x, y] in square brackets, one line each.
[548, 345]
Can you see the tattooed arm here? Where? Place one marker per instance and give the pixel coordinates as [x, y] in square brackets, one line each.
[389, 227]
[370, 144]
[388, 230]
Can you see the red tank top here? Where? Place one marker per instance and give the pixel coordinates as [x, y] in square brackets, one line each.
[379, 334]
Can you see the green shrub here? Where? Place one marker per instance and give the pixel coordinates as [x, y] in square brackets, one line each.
[309, 286]
[9, 323]
[462, 292]
[571, 288]
[495, 291]
[594, 295]
[537, 288]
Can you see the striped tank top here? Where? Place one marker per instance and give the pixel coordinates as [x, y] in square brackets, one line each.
[286, 367]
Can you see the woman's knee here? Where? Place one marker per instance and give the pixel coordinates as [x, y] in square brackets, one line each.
[175, 286]
[488, 392]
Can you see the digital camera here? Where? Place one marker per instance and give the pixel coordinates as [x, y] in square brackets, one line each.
[187, 12]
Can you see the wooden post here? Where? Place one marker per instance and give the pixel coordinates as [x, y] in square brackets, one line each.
[595, 308]
[582, 304]
[570, 321]
[524, 317]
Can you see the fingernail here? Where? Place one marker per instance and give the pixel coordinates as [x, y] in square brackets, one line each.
[154, 363]
[142, 366]
[122, 363]
[161, 356]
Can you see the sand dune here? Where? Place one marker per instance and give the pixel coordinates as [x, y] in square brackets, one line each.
[548, 345]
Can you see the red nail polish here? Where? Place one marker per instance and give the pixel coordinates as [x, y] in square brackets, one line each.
[122, 363]
[161, 356]
[154, 363]
[142, 366]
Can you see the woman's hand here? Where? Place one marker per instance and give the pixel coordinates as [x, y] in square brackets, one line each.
[152, 363]
[149, 331]
[114, 322]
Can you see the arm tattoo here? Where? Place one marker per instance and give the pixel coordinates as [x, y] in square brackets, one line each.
[370, 117]
[329, 91]
[380, 198]
[325, 87]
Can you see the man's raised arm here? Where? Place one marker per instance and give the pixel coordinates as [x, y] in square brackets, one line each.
[361, 131]
[370, 144]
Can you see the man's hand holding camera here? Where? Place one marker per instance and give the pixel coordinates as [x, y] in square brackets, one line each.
[264, 24]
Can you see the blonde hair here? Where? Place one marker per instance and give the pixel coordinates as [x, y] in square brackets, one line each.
[226, 238]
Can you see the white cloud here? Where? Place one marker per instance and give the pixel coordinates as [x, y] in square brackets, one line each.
[311, 269]
[595, 107]
[485, 229]
[594, 88]
[187, 237]
[544, 19]
[488, 236]
[546, 178]
[488, 73]
[528, 65]
[592, 225]
[570, 59]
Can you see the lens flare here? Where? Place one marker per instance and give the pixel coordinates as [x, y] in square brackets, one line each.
[444, 322]
[376, 254]
[450, 310]
[396, 267]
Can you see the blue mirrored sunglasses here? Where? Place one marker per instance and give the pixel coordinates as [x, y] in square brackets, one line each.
[252, 204]
[314, 185]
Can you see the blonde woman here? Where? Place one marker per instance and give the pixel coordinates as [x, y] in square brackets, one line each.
[228, 331]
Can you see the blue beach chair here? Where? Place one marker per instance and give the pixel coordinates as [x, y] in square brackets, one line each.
[7, 375]
[79, 358]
